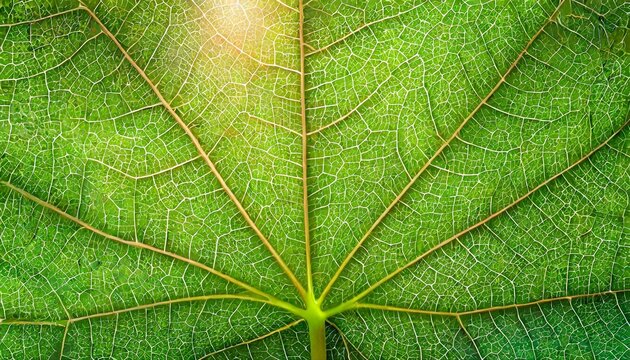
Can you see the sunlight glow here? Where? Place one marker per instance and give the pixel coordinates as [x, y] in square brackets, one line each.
[241, 22]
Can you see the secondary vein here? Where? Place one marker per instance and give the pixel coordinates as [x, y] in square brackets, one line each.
[436, 155]
[201, 152]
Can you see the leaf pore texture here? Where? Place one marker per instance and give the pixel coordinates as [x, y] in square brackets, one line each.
[314, 179]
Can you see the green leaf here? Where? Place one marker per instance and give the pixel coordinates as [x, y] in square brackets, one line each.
[339, 179]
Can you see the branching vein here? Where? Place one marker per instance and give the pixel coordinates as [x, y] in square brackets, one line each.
[437, 154]
[482, 222]
[488, 309]
[357, 30]
[201, 152]
[276, 331]
[143, 246]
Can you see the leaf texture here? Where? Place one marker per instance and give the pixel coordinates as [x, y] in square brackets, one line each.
[341, 179]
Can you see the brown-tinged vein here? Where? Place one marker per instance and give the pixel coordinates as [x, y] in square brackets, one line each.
[307, 230]
[438, 152]
[58, 65]
[171, 302]
[346, 342]
[145, 176]
[400, 309]
[283, 4]
[482, 222]
[247, 342]
[33, 323]
[365, 100]
[343, 338]
[271, 123]
[129, 113]
[488, 309]
[543, 301]
[310, 47]
[463, 327]
[364, 26]
[28, 22]
[63, 341]
[271, 299]
[236, 47]
[201, 152]
[67, 322]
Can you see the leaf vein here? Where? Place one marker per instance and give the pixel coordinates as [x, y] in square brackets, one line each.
[484, 221]
[455, 134]
[247, 342]
[272, 300]
[201, 152]
[359, 306]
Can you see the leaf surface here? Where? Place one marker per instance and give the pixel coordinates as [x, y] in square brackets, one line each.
[239, 179]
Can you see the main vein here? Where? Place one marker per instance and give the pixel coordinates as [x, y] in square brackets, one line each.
[307, 231]
[436, 155]
[201, 152]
